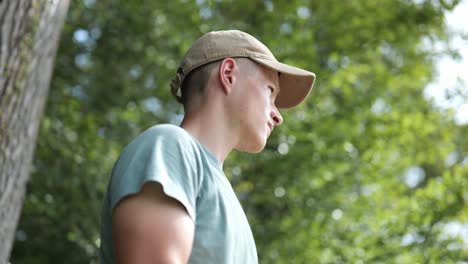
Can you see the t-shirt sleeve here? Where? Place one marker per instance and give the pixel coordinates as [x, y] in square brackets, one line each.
[164, 155]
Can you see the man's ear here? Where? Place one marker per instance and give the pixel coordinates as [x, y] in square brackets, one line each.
[227, 74]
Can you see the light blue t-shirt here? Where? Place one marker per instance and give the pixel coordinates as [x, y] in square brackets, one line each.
[189, 173]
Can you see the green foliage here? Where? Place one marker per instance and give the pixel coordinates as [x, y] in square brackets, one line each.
[333, 184]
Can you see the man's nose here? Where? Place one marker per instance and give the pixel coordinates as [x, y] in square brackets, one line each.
[276, 117]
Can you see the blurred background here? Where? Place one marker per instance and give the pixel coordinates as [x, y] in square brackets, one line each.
[372, 168]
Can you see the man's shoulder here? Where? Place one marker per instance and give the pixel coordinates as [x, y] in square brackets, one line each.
[165, 132]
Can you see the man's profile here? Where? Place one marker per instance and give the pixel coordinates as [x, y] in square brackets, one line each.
[168, 200]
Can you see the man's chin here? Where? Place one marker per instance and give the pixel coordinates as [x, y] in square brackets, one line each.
[253, 148]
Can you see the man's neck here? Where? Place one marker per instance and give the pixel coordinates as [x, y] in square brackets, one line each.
[210, 128]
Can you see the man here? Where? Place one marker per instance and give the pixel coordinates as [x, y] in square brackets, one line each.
[168, 200]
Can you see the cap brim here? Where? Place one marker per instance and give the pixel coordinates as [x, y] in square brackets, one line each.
[295, 83]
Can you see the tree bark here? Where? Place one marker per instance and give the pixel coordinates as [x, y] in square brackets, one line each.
[28, 42]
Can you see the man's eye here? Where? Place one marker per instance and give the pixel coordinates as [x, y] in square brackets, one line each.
[271, 89]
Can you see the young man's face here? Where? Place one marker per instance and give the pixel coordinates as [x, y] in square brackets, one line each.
[258, 114]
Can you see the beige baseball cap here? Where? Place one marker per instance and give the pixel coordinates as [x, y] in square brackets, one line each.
[295, 83]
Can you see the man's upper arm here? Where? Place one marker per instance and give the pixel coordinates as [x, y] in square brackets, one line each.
[151, 227]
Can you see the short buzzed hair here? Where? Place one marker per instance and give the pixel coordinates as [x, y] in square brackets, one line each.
[195, 83]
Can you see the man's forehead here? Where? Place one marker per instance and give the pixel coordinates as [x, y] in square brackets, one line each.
[269, 74]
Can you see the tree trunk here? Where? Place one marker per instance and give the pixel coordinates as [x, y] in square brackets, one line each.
[28, 42]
